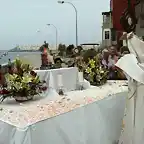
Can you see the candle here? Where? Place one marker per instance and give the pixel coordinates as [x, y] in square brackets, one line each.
[60, 83]
[80, 77]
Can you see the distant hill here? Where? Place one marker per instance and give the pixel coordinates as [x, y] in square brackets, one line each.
[24, 49]
[15, 49]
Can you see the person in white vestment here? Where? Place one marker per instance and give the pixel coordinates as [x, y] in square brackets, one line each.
[133, 130]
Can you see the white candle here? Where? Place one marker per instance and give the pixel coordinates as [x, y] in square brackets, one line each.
[60, 81]
[80, 77]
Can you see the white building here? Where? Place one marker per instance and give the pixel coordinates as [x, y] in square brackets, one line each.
[106, 29]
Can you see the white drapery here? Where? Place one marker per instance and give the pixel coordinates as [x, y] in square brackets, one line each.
[132, 64]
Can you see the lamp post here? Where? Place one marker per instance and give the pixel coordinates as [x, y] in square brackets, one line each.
[56, 33]
[62, 2]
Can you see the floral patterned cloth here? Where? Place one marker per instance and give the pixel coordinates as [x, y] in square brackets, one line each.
[23, 115]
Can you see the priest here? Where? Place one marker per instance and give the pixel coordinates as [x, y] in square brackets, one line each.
[132, 65]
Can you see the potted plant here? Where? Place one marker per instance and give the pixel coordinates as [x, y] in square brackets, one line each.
[22, 83]
[96, 74]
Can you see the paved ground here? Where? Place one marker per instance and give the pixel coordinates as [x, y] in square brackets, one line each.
[35, 60]
[32, 59]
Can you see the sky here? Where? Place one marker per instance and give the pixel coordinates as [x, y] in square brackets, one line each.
[21, 19]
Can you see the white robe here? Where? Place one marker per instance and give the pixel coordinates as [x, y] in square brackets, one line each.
[133, 131]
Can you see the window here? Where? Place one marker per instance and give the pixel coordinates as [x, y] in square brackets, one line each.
[106, 18]
[107, 35]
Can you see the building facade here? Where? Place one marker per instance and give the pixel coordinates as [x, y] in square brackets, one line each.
[118, 7]
[106, 28]
[139, 11]
[112, 28]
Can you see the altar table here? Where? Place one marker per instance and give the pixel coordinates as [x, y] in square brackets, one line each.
[91, 116]
[69, 78]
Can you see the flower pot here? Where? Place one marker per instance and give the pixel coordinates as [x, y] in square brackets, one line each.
[23, 98]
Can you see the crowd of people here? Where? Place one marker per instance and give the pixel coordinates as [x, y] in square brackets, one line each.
[108, 57]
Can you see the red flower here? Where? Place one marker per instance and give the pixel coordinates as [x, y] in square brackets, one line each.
[44, 88]
[4, 91]
[33, 73]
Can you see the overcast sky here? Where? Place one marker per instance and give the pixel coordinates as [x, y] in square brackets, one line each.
[20, 19]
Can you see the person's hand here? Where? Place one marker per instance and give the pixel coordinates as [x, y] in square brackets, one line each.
[124, 36]
[130, 36]
[114, 67]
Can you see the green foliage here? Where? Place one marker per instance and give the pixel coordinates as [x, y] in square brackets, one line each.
[96, 74]
[22, 81]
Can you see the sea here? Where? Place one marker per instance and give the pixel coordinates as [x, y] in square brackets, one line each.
[5, 55]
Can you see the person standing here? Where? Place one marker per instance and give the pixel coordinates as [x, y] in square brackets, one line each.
[105, 56]
[114, 72]
[10, 67]
[44, 58]
[112, 59]
[9, 62]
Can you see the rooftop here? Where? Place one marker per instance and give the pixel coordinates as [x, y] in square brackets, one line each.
[106, 13]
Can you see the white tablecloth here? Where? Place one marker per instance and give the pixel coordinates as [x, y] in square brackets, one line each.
[92, 116]
[69, 77]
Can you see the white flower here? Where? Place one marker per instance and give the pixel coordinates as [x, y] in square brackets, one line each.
[26, 79]
[102, 71]
[18, 86]
[10, 77]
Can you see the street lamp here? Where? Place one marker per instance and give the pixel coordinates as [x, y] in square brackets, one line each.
[56, 33]
[62, 2]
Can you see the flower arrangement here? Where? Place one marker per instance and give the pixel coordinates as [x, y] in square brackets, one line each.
[22, 83]
[96, 73]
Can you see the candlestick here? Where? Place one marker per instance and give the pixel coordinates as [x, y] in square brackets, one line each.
[61, 92]
[60, 81]
[80, 77]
